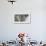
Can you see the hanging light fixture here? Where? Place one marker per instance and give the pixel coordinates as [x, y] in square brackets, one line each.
[12, 1]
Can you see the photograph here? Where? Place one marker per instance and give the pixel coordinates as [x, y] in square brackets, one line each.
[22, 18]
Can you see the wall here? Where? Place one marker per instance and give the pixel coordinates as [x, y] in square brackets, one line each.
[37, 28]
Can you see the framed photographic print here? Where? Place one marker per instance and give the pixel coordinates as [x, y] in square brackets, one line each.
[22, 19]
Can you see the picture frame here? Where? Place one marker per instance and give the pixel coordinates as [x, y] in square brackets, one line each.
[21, 19]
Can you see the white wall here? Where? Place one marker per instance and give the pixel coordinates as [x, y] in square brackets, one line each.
[37, 28]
